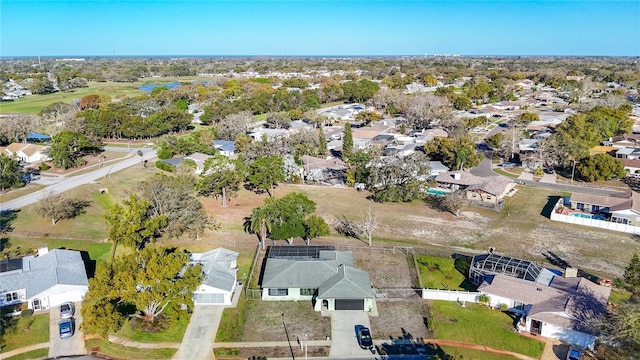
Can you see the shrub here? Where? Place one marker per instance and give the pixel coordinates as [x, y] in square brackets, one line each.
[164, 166]
[44, 167]
[26, 313]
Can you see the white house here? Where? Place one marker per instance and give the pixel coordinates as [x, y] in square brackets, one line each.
[219, 267]
[28, 153]
[199, 159]
[45, 280]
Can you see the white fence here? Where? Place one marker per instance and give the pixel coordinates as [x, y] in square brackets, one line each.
[450, 295]
[602, 224]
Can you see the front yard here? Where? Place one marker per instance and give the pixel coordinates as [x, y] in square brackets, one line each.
[477, 324]
[24, 331]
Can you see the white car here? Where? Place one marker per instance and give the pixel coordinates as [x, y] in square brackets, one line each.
[67, 310]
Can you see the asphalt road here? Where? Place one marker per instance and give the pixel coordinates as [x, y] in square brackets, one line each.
[68, 183]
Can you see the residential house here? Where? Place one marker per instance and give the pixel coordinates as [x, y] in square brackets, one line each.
[630, 153]
[331, 170]
[270, 134]
[199, 159]
[219, 267]
[491, 191]
[436, 168]
[631, 166]
[28, 153]
[226, 147]
[45, 280]
[561, 309]
[623, 141]
[320, 274]
[622, 208]
[457, 180]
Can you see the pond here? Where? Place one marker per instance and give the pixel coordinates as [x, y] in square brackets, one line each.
[149, 87]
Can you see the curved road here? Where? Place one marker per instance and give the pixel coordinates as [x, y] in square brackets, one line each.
[68, 183]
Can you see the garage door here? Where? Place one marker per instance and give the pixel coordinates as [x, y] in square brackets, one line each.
[208, 299]
[349, 304]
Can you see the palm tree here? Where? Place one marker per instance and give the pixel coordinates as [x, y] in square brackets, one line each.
[258, 223]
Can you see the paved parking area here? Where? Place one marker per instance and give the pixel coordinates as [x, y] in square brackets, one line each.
[69, 346]
[198, 339]
[548, 178]
[344, 343]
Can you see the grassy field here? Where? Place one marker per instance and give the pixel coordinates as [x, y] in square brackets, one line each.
[124, 352]
[16, 193]
[441, 273]
[17, 336]
[33, 104]
[479, 325]
[173, 334]
[34, 354]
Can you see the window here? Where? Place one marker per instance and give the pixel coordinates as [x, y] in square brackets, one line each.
[278, 292]
[518, 305]
[308, 292]
[12, 296]
[488, 197]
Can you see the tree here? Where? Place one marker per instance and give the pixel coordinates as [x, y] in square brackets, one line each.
[632, 274]
[60, 207]
[10, 172]
[265, 173]
[360, 91]
[90, 102]
[600, 167]
[495, 140]
[286, 218]
[398, 179]
[527, 117]
[232, 125]
[68, 148]
[367, 117]
[132, 225]
[154, 281]
[425, 110]
[221, 176]
[315, 226]
[347, 142]
[368, 224]
[175, 198]
[322, 150]
[455, 153]
[451, 203]
[622, 328]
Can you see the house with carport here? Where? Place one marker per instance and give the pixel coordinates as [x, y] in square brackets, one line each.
[219, 267]
[44, 280]
[319, 274]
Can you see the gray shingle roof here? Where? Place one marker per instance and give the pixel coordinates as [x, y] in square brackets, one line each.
[309, 273]
[57, 267]
[348, 283]
[219, 267]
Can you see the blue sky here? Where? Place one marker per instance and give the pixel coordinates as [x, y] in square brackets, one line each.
[305, 27]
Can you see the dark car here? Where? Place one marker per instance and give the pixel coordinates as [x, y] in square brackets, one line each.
[575, 353]
[364, 338]
[66, 327]
[549, 170]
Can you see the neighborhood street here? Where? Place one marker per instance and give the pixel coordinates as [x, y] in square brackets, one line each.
[68, 183]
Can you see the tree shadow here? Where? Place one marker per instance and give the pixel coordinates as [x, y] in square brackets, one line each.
[406, 346]
[7, 217]
[548, 207]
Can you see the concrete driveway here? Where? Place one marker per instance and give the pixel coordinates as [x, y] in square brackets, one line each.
[344, 343]
[69, 346]
[200, 334]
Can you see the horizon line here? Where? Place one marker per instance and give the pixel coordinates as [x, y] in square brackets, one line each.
[303, 55]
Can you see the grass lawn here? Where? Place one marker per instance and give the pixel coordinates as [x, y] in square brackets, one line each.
[17, 337]
[470, 354]
[16, 193]
[442, 273]
[97, 250]
[173, 334]
[507, 173]
[125, 352]
[34, 354]
[479, 325]
[233, 320]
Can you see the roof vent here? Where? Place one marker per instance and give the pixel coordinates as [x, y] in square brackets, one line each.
[456, 176]
[43, 251]
[539, 289]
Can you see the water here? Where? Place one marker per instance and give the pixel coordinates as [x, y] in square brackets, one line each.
[150, 87]
[587, 216]
[437, 192]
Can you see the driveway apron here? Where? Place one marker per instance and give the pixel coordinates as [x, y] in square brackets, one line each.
[197, 343]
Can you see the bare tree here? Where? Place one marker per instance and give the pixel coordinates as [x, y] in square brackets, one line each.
[368, 224]
[60, 207]
[425, 110]
[235, 124]
[451, 203]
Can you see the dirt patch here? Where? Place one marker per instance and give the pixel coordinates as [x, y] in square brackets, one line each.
[386, 269]
[267, 320]
[270, 352]
[398, 318]
[158, 324]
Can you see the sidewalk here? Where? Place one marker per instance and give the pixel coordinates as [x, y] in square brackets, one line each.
[23, 350]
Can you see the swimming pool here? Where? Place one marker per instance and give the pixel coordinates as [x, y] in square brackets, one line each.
[438, 192]
[588, 216]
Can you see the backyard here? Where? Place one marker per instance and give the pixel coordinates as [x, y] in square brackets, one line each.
[443, 273]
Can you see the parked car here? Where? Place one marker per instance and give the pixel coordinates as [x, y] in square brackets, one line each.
[549, 170]
[67, 327]
[67, 310]
[364, 337]
[508, 164]
[575, 353]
